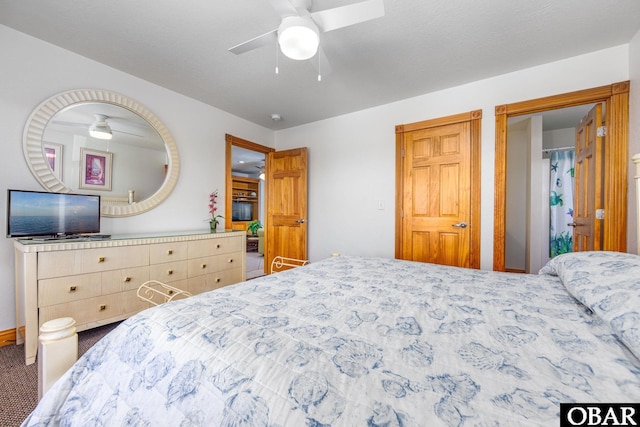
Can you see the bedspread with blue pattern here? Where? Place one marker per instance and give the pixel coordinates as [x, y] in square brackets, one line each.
[352, 341]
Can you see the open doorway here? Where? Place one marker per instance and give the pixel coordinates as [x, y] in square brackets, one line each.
[616, 100]
[246, 196]
[540, 186]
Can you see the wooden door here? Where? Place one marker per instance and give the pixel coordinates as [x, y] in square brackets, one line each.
[286, 187]
[589, 178]
[436, 211]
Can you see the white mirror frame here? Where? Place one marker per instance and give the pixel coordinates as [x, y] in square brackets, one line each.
[33, 136]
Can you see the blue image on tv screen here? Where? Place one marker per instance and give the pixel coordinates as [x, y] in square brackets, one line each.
[39, 213]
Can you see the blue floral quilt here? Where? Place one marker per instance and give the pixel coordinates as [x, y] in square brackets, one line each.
[352, 341]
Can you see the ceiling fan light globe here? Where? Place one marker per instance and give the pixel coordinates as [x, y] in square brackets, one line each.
[100, 132]
[100, 129]
[298, 38]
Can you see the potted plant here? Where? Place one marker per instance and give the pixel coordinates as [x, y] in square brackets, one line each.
[215, 218]
[254, 226]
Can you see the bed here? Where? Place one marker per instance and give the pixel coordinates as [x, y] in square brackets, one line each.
[352, 341]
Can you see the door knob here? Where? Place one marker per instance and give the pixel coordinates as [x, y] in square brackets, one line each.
[460, 225]
[300, 221]
[574, 224]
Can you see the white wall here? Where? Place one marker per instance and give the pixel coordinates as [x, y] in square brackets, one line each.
[537, 233]
[515, 256]
[634, 138]
[352, 157]
[559, 138]
[33, 71]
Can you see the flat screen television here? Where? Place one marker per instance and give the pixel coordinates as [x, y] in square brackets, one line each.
[39, 213]
[241, 211]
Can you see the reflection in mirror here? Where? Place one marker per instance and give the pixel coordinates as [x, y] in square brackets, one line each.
[247, 163]
[138, 155]
[132, 160]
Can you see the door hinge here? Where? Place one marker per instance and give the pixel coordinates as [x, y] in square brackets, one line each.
[602, 131]
[599, 213]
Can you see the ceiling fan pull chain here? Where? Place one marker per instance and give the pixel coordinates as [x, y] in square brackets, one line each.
[277, 58]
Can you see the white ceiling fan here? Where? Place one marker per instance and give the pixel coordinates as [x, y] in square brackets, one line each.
[298, 34]
[100, 128]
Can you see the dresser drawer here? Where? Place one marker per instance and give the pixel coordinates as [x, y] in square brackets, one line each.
[198, 284]
[228, 261]
[103, 259]
[167, 252]
[214, 280]
[59, 263]
[168, 272]
[201, 266]
[217, 246]
[231, 276]
[124, 279]
[65, 289]
[84, 311]
[131, 304]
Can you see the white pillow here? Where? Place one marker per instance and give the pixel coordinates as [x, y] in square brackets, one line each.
[608, 283]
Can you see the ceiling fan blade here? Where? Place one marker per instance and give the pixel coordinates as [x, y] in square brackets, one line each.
[86, 126]
[127, 133]
[74, 124]
[339, 17]
[256, 42]
[283, 7]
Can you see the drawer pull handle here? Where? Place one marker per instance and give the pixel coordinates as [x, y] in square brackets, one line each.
[169, 272]
[102, 307]
[73, 288]
[217, 280]
[230, 260]
[170, 292]
[101, 259]
[170, 252]
[127, 279]
[218, 246]
[204, 265]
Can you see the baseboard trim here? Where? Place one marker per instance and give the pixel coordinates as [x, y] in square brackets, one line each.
[7, 337]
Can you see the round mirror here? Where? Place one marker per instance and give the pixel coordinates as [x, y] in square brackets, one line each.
[101, 142]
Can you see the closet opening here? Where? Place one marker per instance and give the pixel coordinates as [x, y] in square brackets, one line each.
[614, 166]
[540, 186]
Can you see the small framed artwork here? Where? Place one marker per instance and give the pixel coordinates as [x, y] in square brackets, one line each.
[95, 169]
[53, 155]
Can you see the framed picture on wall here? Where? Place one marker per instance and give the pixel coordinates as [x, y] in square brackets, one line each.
[53, 155]
[95, 169]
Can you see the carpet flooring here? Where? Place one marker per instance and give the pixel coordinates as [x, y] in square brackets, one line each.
[19, 382]
[255, 265]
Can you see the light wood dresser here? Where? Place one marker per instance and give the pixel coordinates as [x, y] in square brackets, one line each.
[95, 281]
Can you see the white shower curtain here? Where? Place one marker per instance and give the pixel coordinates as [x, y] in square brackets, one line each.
[561, 202]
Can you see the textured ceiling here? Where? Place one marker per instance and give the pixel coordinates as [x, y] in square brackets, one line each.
[419, 46]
